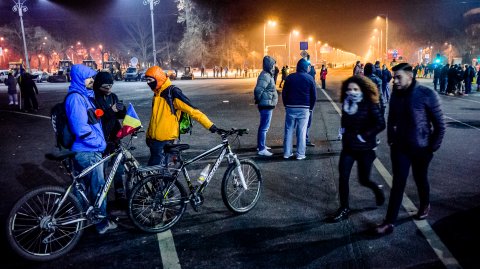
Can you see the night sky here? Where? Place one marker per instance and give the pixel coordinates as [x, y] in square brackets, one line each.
[346, 24]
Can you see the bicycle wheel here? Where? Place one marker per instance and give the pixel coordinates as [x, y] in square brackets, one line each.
[35, 233]
[235, 197]
[152, 209]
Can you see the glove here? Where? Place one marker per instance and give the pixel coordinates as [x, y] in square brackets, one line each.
[120, 106]
[213, 129]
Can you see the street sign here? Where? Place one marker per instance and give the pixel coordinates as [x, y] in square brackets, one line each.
[303, 45]
[304, 54]
[395, 53]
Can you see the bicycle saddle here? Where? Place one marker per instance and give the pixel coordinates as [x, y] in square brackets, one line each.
[175, 148]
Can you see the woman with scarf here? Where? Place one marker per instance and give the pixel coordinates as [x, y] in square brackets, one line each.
[361, 122]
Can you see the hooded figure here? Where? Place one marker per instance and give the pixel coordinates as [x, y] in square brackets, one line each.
[266, 96]
[167, 104]
[81, 111]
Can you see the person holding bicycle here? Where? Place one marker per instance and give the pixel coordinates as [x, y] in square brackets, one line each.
[113, 111]
[89, 139]
[167, 104]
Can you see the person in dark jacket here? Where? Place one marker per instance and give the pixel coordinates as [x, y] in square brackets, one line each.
[415, 131]
[11, 83]
[386, 78]
[436, 76]
[361, 122]
[444, 78]
[275, 74]
[299, 97]
[368, 71]
[284, 75]
[114, 110]
[468, 76]
[266, 97]
[29, 91]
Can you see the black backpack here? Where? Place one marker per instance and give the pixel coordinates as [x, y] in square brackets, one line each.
[63, 135]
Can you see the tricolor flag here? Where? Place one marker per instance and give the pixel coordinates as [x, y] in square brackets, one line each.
[130, 123]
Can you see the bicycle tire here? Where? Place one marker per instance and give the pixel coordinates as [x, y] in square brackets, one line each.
[148, 209]
[235, 197]
[30, 223]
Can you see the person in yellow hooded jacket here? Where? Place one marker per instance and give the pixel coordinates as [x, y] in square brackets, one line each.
[167, 105]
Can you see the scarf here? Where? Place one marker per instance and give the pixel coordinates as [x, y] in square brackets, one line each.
[350, 104]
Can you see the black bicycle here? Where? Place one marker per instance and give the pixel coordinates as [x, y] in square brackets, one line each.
[159, 201]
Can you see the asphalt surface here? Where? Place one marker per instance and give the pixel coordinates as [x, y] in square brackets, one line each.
[287, 228]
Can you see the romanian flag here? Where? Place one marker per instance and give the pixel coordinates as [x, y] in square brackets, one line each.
[130, 123]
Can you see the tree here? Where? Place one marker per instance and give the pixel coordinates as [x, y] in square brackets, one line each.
[194, 47]
[139, 39]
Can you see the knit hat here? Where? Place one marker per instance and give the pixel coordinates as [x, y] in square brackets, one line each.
[101, 78]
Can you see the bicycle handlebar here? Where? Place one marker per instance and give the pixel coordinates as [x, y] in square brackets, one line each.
[233, 131]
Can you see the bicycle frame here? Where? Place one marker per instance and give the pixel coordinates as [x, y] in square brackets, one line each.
[225, 149]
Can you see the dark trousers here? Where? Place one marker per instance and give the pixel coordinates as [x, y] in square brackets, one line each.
[364, 160]
[323, 84]
[443, 85]
[157, 155]
[436, 81]
[402, 159]
[30, 102]
[468, 86]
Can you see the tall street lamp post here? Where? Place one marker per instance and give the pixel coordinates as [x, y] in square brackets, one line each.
[152, 3]
[386, 34]
[272, 23]
[21, 8]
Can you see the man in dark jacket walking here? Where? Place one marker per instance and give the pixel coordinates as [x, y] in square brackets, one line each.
[415, 130]
[29, 92]
[299, 97]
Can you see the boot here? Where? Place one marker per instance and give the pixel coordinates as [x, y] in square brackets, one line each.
[379, 195]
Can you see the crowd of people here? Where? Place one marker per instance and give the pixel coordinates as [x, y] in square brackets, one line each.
[415, 127]
[364, 96]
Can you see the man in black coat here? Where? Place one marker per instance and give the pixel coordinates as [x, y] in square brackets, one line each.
[415, 130]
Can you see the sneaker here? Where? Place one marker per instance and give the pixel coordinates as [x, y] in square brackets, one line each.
[266, 147]
[287, 156]
[11, 103]
[310, 144]
[110, 226]
[301, 157]
[265, 152]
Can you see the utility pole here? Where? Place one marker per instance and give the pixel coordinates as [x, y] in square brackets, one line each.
[21, 8]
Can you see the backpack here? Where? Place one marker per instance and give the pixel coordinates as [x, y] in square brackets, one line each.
[58, 116]
[185, 123]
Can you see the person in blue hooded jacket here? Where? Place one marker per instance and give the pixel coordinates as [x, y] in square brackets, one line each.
[89, 139]
[299, 97]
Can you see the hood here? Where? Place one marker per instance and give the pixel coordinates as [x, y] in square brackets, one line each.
[79, 73]
[159, 75]
[268, 64]
[302, 66]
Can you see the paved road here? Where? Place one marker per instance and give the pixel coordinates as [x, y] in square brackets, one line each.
[287, 229]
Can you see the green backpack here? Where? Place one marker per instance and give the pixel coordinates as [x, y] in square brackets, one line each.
[185, 121]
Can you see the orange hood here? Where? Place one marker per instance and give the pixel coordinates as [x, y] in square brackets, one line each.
[159, 75]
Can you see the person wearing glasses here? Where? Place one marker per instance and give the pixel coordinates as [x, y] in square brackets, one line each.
[113, 110]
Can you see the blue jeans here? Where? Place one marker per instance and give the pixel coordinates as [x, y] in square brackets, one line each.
[94, 181]
[308, 126]
[295, 117]
[157, 156]
[265, 118]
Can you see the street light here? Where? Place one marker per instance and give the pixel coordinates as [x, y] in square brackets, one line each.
[152, 3]
[295, 32]
[271, 23]
[21, 8]
[386, 33]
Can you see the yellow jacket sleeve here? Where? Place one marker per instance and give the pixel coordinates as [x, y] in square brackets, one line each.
[193, 112]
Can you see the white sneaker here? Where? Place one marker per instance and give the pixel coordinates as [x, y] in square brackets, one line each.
[287, 156]
[265, 152]
[266, 147]
[110, 226]
[11, 103]
[301, 157]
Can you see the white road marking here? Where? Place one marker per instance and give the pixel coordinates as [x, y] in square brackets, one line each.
[466, 124]
[437, 245]
[168, 253]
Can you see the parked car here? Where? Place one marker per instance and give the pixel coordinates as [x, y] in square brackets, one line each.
[40, 76]
[132, 74]
[3, 75]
